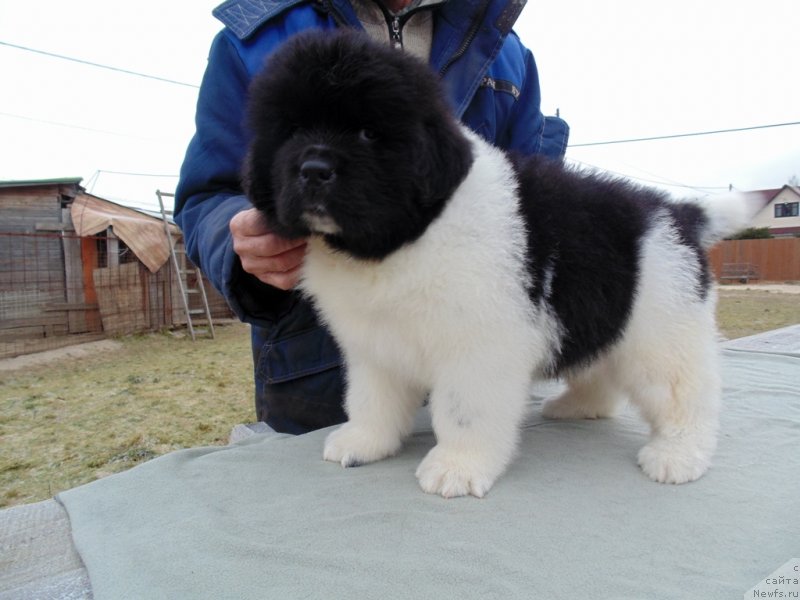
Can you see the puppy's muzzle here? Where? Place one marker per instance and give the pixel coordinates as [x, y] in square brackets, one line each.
[316, 172]
[317, 167]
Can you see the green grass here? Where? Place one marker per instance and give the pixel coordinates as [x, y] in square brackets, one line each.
[70, 422]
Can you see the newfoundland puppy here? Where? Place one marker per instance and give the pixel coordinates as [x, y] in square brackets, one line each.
[450, 271]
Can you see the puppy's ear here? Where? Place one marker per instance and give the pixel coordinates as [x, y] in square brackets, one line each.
[443, 160]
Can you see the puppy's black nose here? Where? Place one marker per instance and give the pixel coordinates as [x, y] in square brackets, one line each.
[316, 171]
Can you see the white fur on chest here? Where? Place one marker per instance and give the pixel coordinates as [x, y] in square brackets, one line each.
[440, 298]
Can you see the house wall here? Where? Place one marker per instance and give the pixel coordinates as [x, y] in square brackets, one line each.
[766, 217]
[32, 263]
[21, 209]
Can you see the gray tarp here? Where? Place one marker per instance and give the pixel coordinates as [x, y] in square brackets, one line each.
[573, 518]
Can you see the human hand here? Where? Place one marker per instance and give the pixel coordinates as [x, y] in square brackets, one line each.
[274, 260]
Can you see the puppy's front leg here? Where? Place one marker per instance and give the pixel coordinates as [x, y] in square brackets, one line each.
[380, 409]
[477, 428]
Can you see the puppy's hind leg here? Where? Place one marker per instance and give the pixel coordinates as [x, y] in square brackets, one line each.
[680, 398]
[591, 394]
[380, 407]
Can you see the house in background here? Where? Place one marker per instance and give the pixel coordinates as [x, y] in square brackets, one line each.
[781, 212]
[773, 259]
[74, 266]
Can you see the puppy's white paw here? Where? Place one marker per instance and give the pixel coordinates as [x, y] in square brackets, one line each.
[352, 446]
[673, 460]
[451, 474]
[571, 405]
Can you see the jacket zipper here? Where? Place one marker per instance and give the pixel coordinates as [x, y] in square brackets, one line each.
[471, 33]
[395, 23]
[396, 33]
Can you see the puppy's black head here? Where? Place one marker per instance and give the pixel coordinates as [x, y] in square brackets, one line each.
[353, 141]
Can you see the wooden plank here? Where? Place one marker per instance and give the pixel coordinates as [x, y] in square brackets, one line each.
[73, 277]
[33, 332]
[112, 250]
[20, 223]
[63, 306]
[42, 320]
[120, 293]
[22, 333]
[53, 226]
[89, 262]
[34, 200]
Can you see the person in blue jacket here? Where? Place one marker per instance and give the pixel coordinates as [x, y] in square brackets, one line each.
[493, 86]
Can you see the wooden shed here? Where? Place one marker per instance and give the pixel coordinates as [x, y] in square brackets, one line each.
[75, 267]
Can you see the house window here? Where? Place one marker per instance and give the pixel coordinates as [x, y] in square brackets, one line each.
[787, 209]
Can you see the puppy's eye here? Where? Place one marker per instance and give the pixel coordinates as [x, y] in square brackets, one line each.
[367, 135]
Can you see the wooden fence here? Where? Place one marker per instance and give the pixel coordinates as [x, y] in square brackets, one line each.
[776, 259]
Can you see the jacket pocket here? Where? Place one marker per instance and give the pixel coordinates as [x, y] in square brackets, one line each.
[297, 355]
[299, 382]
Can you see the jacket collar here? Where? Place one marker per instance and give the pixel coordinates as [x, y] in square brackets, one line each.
[244, 17]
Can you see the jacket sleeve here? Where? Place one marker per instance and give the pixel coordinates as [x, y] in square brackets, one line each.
[209, 192]
[531, 132]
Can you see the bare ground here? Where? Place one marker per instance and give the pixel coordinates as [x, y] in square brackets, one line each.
[76, 352]
[783, 288]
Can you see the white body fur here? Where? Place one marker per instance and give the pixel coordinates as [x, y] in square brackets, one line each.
[450, 315]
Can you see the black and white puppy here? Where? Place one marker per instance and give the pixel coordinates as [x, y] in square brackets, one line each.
[447, 270]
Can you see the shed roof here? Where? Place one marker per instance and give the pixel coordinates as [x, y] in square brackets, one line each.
[143, 233]
[38, 182]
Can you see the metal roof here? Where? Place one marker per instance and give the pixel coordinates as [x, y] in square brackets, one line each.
[37, 182]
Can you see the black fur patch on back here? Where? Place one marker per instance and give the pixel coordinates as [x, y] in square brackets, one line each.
[584, 237]
[690, 221]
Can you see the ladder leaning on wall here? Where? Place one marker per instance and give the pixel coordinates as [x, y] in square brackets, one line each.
[188, 287]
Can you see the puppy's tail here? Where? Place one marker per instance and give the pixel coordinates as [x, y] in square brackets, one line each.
[726, 214]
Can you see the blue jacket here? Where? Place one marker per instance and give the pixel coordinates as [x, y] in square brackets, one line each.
[491, 81]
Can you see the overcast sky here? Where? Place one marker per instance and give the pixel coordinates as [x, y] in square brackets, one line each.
[616, 70]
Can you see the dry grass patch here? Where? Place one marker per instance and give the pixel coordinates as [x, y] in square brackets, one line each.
[68, 423]
[742, 312]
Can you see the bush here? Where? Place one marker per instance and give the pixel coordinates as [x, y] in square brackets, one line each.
[752, 233]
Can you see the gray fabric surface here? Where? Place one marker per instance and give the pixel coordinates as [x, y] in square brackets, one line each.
[37, 558]
[573, 517]
[779, 341]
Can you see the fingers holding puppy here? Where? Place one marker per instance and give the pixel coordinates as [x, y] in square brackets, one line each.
[274, 260]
